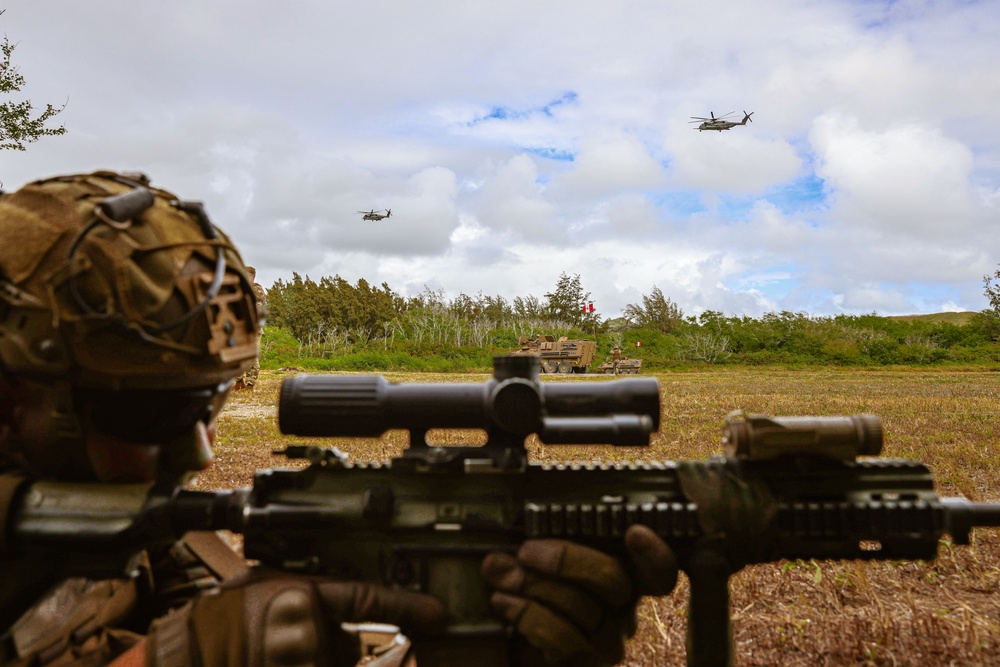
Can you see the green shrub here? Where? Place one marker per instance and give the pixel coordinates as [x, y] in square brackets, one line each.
[278, 348]
[785, 339]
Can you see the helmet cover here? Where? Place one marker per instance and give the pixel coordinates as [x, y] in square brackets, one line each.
[109, 283]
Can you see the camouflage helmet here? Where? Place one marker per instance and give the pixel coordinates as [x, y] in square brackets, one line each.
[112, 284]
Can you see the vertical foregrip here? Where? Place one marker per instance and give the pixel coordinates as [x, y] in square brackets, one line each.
[709, 630]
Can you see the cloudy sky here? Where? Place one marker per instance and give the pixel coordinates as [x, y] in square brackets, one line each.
[518, 140]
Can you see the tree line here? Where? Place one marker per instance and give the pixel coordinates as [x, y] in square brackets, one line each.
[335, 324]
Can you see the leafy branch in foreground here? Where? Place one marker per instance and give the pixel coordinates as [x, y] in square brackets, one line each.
[19, 122]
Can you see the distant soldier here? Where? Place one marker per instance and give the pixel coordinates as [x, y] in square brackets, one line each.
[249, 379]
[616, 358]
[257, 289]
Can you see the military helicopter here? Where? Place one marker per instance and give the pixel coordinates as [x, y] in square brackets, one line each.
[719, 124]
[376, 215]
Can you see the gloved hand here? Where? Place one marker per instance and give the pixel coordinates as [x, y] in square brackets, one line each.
[575, 605]
[269, 619]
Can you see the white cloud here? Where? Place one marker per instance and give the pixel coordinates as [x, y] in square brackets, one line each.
[607, 165]
[511, 200]
[907, 180]
[515, 141]
[732, 161]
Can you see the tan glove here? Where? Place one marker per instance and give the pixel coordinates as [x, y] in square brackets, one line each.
[575, 605]
[269, 619]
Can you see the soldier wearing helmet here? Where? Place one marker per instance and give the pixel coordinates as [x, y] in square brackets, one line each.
[125, 316]
[124, 312]
[249, 378]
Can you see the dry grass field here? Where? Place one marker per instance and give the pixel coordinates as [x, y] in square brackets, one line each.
[806, 613]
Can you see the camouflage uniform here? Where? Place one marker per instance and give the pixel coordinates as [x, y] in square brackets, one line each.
[112, 310]
[84, 621]
[249, 379]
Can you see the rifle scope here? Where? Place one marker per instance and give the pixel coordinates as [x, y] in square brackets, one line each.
[622, 412]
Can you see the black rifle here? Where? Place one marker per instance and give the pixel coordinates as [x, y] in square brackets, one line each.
[787, 488]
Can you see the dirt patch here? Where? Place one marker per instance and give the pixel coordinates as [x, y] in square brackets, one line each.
[250, 411]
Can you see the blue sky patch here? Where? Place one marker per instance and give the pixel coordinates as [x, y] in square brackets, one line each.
[681, 203]
[551, 153]
[567, 98]
[735, 207]
[773, 282]
[803, 194]
[507, 113]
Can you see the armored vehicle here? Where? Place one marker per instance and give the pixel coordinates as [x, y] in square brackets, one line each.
[625, 366]
[559, 356]
[619, 364]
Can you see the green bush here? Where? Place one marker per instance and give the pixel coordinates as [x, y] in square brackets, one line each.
[783, 339]
[843, 352]
[278, 348]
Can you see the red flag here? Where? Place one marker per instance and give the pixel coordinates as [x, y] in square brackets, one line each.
[591, 307]
[638, 343]
[583, 308]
